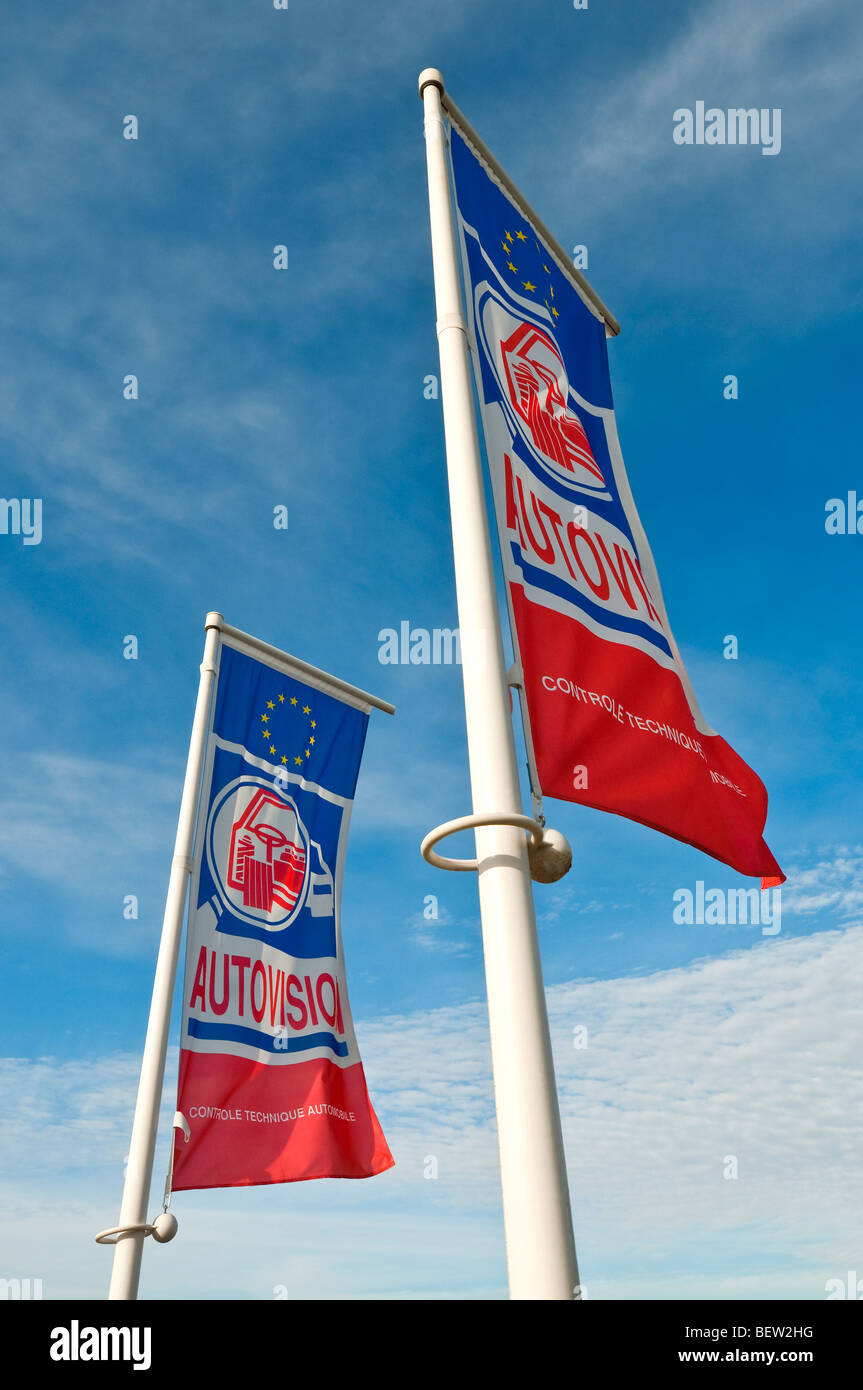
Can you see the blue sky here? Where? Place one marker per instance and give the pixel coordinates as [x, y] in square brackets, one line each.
[305, 388]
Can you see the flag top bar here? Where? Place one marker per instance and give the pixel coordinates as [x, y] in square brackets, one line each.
[432, 77]
[293, 663]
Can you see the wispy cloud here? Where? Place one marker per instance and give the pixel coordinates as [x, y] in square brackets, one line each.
[834, 884]
[90, 831]
[750, 1057]
[433, 930]
[615, 142]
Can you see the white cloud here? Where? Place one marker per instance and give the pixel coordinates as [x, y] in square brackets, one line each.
[435, 933]
[92, 830]
[753, 1054]
[833, 884]
[603, 159]
[728, 53]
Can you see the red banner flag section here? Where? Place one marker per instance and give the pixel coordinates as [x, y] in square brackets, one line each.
[271, 1082]
[613, 719]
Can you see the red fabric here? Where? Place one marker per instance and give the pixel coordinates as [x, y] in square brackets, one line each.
[234, 1149]
[632, 771]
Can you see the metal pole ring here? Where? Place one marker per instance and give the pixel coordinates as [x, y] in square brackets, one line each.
[450, 827]
[113, 1233]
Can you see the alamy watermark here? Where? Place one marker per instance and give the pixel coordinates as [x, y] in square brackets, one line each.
[422, 646]
[20, 1289]
[736, 126]
[850, 1288]
[844, 516]
[77, 1343]
[729, 907]
[21, 516]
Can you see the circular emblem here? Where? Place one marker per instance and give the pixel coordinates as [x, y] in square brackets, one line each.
[537, 396]
[258, 852]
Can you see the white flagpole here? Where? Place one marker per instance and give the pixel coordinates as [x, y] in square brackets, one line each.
[139, 1170]
[537, 1219]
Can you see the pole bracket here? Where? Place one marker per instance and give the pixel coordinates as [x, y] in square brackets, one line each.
[163, 1229]
[450, 827]
[515, 676]
[113, 1233]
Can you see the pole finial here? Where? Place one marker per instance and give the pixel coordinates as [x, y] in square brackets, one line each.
[431, 77]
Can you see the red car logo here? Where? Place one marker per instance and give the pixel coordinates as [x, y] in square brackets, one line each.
[267, 859]
[538, 390]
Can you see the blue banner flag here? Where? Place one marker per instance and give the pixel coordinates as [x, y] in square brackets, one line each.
[271, 1081]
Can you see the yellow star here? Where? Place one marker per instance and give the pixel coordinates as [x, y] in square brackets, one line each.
[314, 723]
[284, 760]
[506, 247]
[312, 739]
[270, 705]
[308, 753]
[293, 699]
[551, 288]
[265, 717]
[508, 236]
[556, 314]
[272, 749]
[298, 761]
[528, 285]
[306, 709]
[512, 267]
[281, 699]
[521, 236]
[266, 733]
[546, 269]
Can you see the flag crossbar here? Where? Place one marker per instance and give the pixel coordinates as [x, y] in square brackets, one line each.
[290, 663]
[583, 286]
